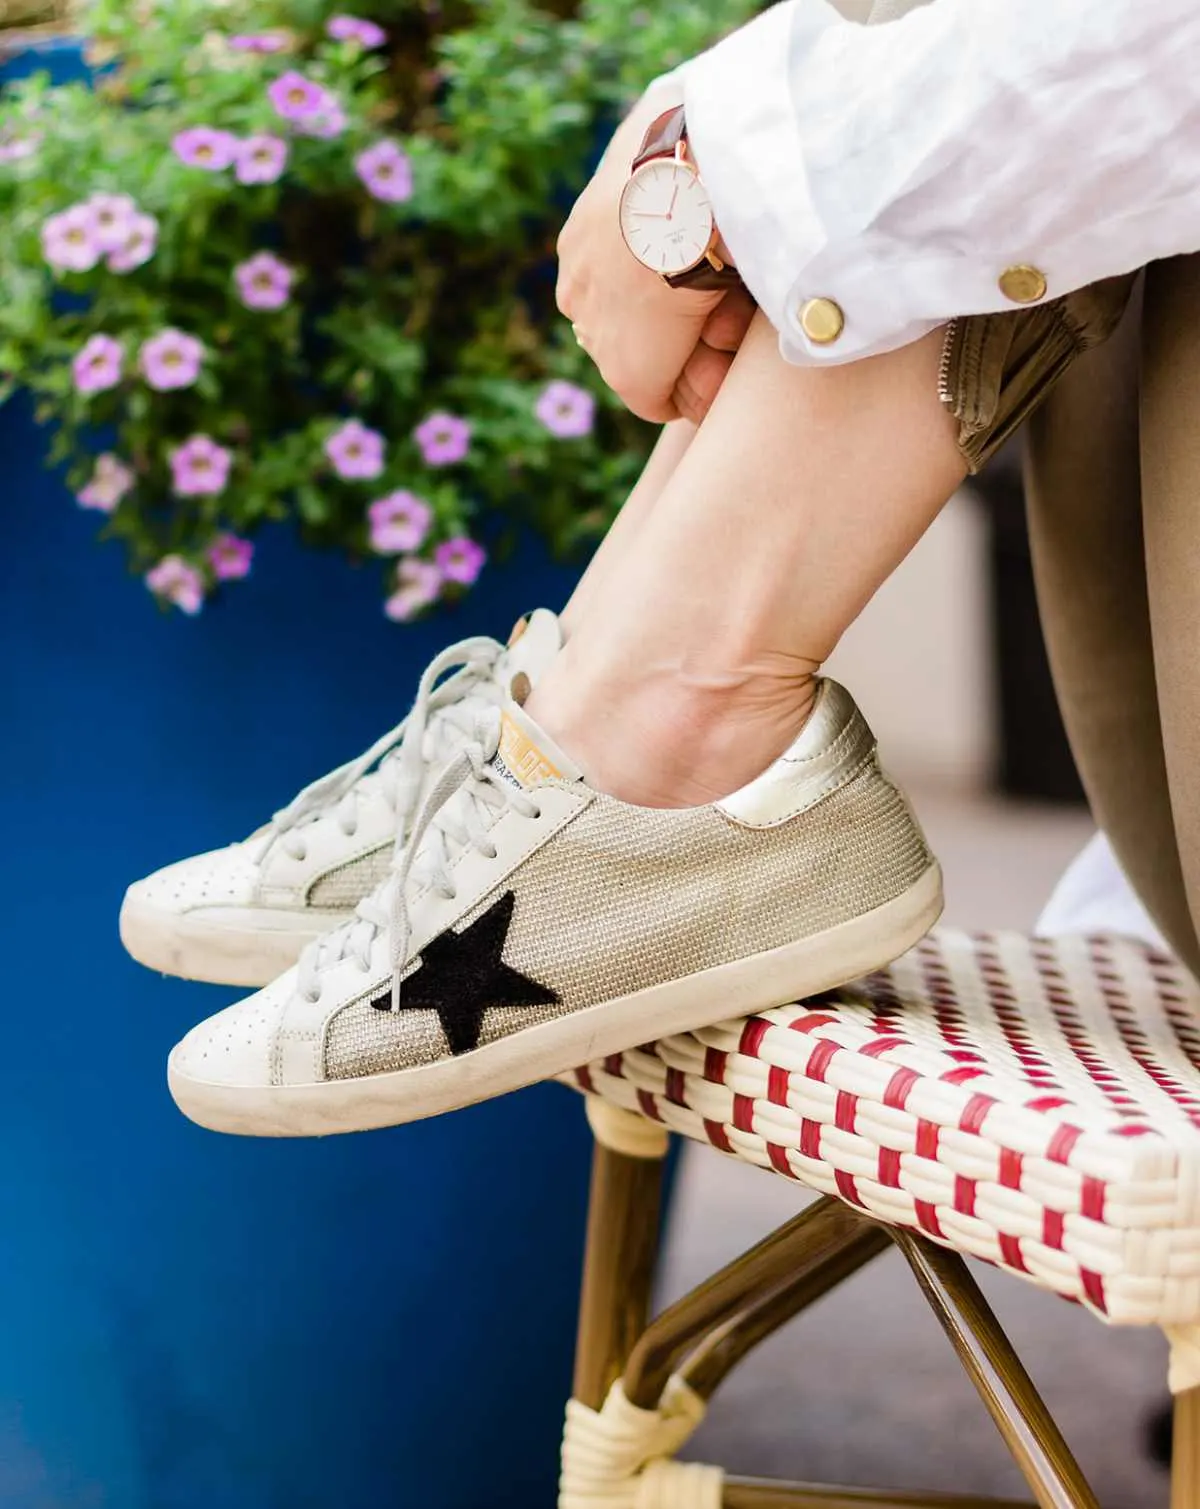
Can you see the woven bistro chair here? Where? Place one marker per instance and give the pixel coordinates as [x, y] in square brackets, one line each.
[1031, 1102]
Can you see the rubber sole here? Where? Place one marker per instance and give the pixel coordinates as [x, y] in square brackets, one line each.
[801, 969]
[226, 946]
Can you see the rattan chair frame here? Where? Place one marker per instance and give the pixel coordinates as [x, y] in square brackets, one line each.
[704, 1335]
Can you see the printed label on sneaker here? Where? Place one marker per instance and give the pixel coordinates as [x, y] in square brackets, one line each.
[519, 760]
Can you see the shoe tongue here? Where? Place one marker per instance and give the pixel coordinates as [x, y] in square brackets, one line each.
[527, 756]
[532, 645]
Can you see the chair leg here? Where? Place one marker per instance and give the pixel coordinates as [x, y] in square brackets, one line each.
[621, 1246]
[723, 1349]
[986, 1354]
[798, 1249]
[747, 1494]
[1185, 1452]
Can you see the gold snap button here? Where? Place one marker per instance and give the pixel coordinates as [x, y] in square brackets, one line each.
[822, 321]
[1023, 284]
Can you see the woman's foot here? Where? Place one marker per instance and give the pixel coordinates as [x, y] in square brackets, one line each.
[243, 914]
[538, 924]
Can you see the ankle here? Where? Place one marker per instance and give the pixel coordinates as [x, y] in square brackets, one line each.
[673, 740]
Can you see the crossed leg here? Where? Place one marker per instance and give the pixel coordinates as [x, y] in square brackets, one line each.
[746, 551]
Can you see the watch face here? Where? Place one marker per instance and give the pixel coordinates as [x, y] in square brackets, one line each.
[666, 217]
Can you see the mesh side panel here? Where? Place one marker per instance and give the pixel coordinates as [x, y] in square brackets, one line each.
[364, 1041]
[349, 883]
[615, 903]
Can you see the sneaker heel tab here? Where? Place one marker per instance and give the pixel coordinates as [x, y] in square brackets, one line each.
[833, 746]
[835, 717]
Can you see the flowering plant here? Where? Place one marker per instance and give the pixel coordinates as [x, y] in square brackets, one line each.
[301, 266]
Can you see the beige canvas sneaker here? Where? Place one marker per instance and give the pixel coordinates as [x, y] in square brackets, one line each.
[535, 924]
[243, 914]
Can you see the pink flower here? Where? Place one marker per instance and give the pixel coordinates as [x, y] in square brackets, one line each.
[352, 29]
[399, 522]
[14, 147]
[443, 438]
[178, 582]
[230, 557]
[204, 147]
[200, 467]
[417, 585]
[261, 159]
[264, 282]
[69, 240]
[98, 365]
[139, 246]
[328, 122]
[112, 220]
[260, 42]
[171, 359]
[460, 560]
[355, 451]
[110, 481]
[296, 98]
[386, 172]
[567, 411]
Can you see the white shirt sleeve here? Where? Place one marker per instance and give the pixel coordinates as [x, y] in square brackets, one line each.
[899, 170]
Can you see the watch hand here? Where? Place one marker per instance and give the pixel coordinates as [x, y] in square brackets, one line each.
[671, 206]
[648, 215]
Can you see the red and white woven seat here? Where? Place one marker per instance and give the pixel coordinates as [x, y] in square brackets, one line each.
[1032, 1102]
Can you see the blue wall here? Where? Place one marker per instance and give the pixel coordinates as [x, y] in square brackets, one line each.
[189, 1321]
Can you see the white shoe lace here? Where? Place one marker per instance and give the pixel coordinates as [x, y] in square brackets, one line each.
[444, 713]
[439, 835]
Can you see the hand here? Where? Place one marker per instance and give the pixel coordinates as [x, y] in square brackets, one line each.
[640, 333]
[707, 367]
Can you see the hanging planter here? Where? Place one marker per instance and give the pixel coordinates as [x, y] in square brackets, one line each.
[294, 265]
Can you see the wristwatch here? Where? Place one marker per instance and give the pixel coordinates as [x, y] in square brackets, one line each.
[666, 216]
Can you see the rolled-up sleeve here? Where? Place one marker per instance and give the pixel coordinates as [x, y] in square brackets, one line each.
[974, 156]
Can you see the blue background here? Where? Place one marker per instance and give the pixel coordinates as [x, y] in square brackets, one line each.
[189, 1321]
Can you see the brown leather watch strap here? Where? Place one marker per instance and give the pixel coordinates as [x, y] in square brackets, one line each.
[704, 275]
[662, 139]
[662, 136]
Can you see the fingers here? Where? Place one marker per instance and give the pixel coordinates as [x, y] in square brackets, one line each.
[641, 355]
[700, 381]
[726, 327]
[708, 366]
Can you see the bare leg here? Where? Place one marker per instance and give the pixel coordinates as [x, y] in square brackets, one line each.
[610, 559]
[693, 665]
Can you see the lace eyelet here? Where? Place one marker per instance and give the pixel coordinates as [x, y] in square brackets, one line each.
[536, 815]
[312, 999]
[300, 855]
[350, 831]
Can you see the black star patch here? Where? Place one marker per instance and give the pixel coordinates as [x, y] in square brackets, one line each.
[463, 974]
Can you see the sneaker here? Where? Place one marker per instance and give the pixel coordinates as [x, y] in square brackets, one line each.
[534, 924]
[243, 914]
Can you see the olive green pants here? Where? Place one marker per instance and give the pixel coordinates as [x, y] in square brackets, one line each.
[1114, 505]
[1109, 380]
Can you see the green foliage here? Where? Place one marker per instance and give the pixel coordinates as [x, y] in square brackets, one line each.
[442, 302]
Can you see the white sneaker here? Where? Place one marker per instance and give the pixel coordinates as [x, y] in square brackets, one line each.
[534, 924]
[242, 915]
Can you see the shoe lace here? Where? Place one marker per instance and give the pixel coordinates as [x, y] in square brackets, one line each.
[445, 712]
[442, 830]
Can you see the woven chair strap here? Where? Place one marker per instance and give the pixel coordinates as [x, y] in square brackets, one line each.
[620, 1456]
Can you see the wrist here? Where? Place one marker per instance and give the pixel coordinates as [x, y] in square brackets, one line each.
[665, 215]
